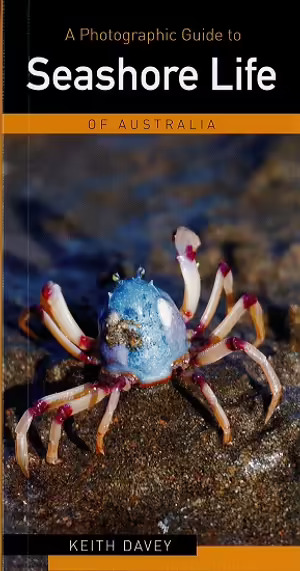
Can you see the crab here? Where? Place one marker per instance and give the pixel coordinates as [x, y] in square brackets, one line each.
[144, 339]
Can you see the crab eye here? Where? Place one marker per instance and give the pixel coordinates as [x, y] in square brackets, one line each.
[165, 312]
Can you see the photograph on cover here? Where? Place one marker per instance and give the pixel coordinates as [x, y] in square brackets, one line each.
[101, 245]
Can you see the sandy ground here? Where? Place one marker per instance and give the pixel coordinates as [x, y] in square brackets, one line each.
[86, 207]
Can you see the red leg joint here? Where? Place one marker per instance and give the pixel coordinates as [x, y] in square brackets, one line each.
[47, 291]
[224, 268]
[39, 408]
[249, 299]
[63, 413]
[235, 344]
[198, 379]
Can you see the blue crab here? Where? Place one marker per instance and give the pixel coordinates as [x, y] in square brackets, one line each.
[144, 340]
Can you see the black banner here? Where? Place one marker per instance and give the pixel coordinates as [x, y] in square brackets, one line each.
[200, 64]
[100, 544]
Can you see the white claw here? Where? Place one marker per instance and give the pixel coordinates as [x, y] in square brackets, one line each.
[185, 237]
[187, 243]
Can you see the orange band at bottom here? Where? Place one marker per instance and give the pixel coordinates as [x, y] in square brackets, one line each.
[208, 559]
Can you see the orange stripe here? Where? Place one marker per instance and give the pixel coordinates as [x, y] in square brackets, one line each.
[171, 124]
[209, 559]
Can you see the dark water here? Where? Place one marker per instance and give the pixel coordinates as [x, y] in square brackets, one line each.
[78, 208]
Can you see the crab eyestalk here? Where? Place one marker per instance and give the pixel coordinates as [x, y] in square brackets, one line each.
[140, 272]
[187, 244]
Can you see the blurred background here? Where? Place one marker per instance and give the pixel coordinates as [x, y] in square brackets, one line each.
[78, 208]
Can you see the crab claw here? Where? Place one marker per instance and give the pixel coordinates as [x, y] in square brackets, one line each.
[187, 243]
[21, 442]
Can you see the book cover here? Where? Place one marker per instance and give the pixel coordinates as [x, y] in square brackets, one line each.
[151, 305]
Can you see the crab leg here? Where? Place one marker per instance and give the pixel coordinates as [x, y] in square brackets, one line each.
[223, 280]
[246, 303]
[54, 302]
[187, 243]
[42, 406]
[215, 406]
[64, 341]
[123, 383]
[106, 420]
[81, 404]
[69, 409]
[227, 346]
[213, 402]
